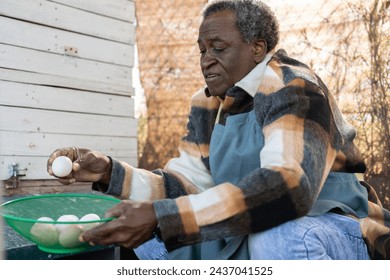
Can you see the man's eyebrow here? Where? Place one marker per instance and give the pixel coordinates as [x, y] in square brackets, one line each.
[212, 39]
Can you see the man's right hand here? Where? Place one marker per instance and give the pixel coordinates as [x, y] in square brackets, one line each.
[88, 166]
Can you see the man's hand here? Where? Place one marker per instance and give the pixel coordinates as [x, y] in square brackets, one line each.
[133, 226]
[88, 166]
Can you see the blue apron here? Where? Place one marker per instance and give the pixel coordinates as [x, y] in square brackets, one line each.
[234, 152]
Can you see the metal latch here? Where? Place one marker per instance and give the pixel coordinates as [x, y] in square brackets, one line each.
[15, 173]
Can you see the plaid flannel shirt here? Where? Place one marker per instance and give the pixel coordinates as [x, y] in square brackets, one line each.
[306, 137]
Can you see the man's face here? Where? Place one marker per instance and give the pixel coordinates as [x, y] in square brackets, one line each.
[225, 57]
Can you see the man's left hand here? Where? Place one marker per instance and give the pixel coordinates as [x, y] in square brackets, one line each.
[134, 224]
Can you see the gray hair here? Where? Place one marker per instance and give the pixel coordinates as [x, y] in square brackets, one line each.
[255, 20]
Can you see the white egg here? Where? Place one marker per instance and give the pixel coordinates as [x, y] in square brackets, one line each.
[45, 219]
[44, 234]
[69, 237]
[89, 217]
[65, 218]
[62, 166]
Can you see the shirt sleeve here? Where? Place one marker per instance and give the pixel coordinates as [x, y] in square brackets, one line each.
[186, 174]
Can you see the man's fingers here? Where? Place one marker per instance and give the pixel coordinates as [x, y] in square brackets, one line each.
[116, 210]
[99, 232]
[66, 181]
[130, 228]
[125, 239]
[76, 166]
[137, 240]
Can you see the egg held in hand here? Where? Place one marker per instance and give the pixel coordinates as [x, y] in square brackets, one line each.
[62, 166]
[44, 234]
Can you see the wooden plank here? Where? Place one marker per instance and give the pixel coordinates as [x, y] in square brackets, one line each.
[44, 38]
[119, 9]
[54, 64]
[34, 120]
[68, 18]
[41, 144]
[59, 81]
[32, 187]
[54, 98]
[36, 166]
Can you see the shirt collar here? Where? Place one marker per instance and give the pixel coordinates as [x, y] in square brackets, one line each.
[251, 82]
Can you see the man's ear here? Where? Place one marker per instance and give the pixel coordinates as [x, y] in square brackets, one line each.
[260, 50]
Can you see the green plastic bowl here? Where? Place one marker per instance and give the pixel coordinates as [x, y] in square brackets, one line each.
[22, 215]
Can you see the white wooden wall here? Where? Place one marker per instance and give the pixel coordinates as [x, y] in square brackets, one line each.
[65, 80]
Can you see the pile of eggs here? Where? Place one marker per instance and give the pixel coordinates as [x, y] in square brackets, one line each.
[64, 234]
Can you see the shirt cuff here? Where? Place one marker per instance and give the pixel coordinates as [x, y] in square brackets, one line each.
[116, 180]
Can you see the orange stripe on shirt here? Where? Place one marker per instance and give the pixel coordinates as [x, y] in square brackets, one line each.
[218, 204]
[187, 216]
[286, 155]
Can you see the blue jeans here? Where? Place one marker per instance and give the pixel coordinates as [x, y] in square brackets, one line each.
[324, 237]
[152, 249]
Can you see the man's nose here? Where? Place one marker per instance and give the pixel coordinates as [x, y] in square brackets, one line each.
[207, 60]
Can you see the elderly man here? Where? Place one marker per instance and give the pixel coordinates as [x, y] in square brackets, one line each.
[266, 170]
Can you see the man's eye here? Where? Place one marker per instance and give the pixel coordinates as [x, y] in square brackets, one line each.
[218, 49]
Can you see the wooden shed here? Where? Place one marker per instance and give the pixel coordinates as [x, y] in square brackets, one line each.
[65, 80]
